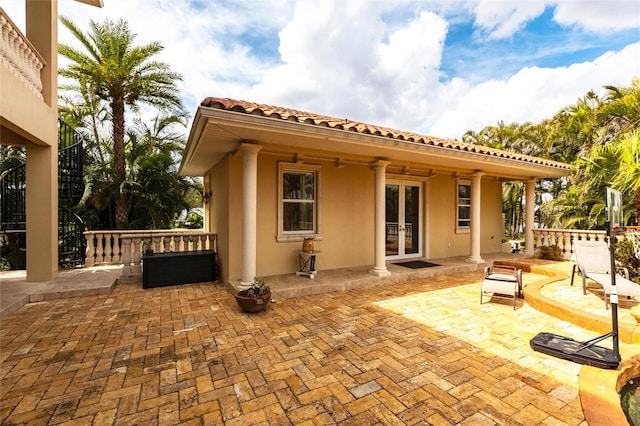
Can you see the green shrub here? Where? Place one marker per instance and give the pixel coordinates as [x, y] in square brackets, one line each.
[626, 256]
[550, 253]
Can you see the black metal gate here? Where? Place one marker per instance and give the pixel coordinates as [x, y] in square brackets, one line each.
[13, 215]
[71, 243]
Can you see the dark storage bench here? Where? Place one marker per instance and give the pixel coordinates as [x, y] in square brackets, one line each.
[163, 269]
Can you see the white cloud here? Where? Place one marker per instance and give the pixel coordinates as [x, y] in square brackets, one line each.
[344, 60]
[598, 16]
[501, 19]
[532, 94]
[204, 43]
[373, 61]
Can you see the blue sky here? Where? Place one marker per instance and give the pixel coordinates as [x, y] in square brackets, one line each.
[433, 67]
[542, 42]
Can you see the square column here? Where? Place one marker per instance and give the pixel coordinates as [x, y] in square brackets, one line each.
[42, 212]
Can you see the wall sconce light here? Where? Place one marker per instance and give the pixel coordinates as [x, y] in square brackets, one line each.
[206, 197]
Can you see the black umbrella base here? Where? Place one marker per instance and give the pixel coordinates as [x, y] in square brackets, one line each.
[584, 353]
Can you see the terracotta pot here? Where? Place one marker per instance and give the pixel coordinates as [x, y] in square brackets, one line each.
[252, 304]
[307, 244]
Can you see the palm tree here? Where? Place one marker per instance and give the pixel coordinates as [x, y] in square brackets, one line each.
[574, 130]
[621, 110]
[615, 164]
[512, 207]
[160, 193]
[123, 75]
[628, 176]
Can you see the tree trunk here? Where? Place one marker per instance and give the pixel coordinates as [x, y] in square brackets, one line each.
[119, 173]
[636, 201]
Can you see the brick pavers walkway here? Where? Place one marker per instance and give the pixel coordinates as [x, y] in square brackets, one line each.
[424, 352]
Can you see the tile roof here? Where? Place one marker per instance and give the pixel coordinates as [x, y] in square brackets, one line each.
[289, 114]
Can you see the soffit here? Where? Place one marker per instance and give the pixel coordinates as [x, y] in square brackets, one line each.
[222, 124]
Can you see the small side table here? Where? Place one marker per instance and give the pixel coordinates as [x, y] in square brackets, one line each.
[307, 261]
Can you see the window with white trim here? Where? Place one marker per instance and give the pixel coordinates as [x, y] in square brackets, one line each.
[463, 206]
[298, 201]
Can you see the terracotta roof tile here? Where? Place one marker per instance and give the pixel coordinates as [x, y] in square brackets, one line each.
[288, 114]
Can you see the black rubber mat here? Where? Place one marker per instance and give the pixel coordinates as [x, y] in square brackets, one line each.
[417, 264]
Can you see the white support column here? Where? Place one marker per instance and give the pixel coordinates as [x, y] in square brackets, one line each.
[476, 217]
[249, 211]
[380, 267]
[530, 204]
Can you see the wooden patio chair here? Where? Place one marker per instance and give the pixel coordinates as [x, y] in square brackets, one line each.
[593, 260]
[502, 282]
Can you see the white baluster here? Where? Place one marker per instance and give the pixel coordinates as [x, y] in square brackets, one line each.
[166, 240]
[90, 251]
[108, 248]
[126, 256]
[156, 243]
[99, 248]
[117, 250]
[136, 255]
[566, 245]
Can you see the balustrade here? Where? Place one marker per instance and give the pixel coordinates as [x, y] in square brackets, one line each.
[17, 53]
[564, 238]
[127, 247]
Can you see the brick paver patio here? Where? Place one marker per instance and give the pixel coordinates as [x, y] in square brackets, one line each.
[424, 352]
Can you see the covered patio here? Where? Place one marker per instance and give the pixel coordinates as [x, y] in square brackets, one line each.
[286, 286]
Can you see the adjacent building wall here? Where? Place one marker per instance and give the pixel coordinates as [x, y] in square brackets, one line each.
[29, 120]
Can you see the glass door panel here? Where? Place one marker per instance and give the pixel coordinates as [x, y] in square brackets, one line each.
[402, 220]
[411, 219]
[392, 216]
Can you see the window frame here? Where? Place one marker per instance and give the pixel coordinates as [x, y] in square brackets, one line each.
[462, 229]
[316, 233]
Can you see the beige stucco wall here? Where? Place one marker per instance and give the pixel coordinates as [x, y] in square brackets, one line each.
[443, 240]
[347, 216]
[224, 214]
[27, 120]
[492, 231]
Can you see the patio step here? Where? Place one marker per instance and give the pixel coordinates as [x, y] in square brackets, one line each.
[289, 286]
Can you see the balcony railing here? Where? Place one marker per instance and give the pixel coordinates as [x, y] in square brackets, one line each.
[564, 238]
[17, 53]
[127, 247]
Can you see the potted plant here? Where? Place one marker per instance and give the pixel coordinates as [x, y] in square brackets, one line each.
[255, 298]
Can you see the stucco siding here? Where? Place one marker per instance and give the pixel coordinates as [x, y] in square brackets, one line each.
[492, 227]
[346, 202]
[347, 218]
[441, 212]
[444, 241]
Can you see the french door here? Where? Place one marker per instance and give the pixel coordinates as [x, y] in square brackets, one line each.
[403, 225]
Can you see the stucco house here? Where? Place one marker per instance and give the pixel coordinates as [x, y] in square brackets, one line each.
[29, 118]
[366, 194]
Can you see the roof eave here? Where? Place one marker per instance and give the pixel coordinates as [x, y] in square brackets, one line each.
[95, 3]
[533, 166]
